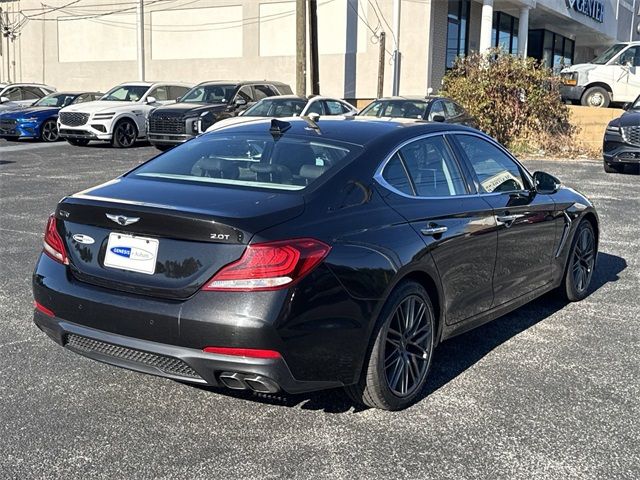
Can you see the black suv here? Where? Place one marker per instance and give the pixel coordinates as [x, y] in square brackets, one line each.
[621, 144]
[203, 105]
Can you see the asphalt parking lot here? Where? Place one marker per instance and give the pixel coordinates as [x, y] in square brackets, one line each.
[549, 391]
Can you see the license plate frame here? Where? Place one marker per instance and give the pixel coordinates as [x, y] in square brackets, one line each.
[132, 253]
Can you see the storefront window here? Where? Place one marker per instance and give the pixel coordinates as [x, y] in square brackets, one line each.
[457, 30]
[505, 32]
[553, 50]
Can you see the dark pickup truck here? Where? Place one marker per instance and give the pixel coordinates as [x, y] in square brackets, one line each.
[203, 105]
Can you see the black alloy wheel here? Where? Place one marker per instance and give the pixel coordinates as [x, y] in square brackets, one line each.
[49, 131]
[408, 345]
[399, 358]
[582, 260]
[125, 134]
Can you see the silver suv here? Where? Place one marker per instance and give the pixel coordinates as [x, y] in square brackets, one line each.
[19, 95]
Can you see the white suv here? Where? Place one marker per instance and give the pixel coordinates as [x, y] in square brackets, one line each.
[120, 116]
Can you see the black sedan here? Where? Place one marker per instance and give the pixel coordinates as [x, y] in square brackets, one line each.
[621, 145]
[432, 108]
[301, 255]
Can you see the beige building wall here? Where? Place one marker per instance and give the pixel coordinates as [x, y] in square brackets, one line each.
[223, 39]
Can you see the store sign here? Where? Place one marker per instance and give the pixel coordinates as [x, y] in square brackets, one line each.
[591, 8]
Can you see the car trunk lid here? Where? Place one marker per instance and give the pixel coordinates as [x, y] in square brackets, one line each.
[191, 232]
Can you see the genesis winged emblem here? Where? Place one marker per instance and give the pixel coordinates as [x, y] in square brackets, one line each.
[121, 219]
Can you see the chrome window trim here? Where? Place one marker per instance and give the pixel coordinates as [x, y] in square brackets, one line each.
[381, 180]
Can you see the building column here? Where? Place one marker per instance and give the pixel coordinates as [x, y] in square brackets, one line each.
[523, 31]
[486, 24]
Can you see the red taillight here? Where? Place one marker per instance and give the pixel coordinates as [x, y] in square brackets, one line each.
[243, 352]
[53, 245]
[43, 309]
[269, 266]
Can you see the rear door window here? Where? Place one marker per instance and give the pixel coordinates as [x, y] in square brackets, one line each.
[263, 91]
[258, 161]
[425, 168]
[161, 94]
[177, 91]
[333, 107]
[32, 93]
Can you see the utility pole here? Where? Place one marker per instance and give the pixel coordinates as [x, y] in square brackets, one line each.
[6, 33]
[382, 41]
[140, 32]
[396, 47]
[301, 47]
[314, 67]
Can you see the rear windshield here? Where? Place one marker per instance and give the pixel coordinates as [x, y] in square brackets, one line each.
[395, 108]
[259, 161]
[289, 107]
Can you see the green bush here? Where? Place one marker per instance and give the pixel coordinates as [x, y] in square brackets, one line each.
[514, 100]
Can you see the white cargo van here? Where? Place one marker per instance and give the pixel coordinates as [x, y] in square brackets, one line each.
[614, 76]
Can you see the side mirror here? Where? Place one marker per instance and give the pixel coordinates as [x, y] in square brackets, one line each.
[352, 113]
[626, 105]
[240, 101]
[546, 183]
[151, 100]
[438, 118]
[4, 99]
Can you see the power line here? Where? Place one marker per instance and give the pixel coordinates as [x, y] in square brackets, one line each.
[226, 24]
[52, 9]
[393, 35]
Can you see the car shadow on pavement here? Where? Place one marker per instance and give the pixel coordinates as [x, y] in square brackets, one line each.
[105, 144]
[453, 356]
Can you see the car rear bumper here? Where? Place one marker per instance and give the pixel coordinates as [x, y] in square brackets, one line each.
[175, 362]
[121, 328]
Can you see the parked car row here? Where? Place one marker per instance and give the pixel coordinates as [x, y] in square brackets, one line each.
[169, 113]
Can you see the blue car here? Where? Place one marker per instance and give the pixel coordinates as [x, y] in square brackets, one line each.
[39, 121]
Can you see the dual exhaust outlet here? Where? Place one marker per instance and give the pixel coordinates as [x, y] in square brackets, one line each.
[248, 381]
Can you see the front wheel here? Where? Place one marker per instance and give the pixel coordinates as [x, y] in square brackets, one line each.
[125, 134]
[596, 97]
[581, 262]
[49, 131]
[399, 358]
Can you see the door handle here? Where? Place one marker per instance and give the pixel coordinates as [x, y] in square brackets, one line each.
[508, 219]
[433, 230]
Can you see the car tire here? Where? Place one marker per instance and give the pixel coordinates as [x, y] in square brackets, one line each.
[49, 131]
[400, 351]
[125, 134]
[78, 142]
[580, 263]
[596, 97]
[611, 168]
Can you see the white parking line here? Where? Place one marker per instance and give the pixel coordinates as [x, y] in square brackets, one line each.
[26, 146]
